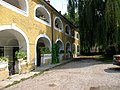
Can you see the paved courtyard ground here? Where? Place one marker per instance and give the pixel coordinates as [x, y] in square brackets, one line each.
[77, 75]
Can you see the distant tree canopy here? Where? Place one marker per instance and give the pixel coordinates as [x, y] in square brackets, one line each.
[98, 22]
[72, 15]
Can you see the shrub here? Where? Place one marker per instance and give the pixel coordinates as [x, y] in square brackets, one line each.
[55, 53]
[3, 59]
[44, 50]
[110, 50]
[20, 54]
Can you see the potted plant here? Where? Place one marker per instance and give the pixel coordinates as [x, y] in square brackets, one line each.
[3, 59]
[45, 55]
[20, 55]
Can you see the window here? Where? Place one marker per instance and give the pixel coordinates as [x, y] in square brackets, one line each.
[73, 34]
[68, 30]
[78, 35]
[42, 15]
[20, 6]
[78, 48]
[68, 47]
[58, 24]
[1, 51]
[73, 48]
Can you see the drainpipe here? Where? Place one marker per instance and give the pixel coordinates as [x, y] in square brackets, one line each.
[52, 29]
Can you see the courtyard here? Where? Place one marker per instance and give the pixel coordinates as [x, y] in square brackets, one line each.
[88, 74]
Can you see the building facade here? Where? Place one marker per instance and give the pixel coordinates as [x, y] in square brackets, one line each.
[27, 25]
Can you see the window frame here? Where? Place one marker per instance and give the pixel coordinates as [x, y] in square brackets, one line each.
[58, 29]
[40, 20]
[13, 8]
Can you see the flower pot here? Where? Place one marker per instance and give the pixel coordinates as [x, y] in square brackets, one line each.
[20, 59]
[61, 57]
[3, 65]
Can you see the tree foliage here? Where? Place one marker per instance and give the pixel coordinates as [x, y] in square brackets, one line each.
[71, 8]
[99, 23]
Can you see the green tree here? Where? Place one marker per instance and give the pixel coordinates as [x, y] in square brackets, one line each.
[99, 22]
[71, 6]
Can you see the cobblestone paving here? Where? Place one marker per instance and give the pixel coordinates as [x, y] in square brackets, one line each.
[76, 75]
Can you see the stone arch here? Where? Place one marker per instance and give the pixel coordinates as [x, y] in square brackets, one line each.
[60, 43]
[42, 38]
[18, 34]
[13, 39]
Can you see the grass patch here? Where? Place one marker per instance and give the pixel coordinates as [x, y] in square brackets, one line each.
[15, 82]
[106, 59]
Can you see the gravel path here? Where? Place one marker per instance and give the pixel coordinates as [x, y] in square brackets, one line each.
[76, 75]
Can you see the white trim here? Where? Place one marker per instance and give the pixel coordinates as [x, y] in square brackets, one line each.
[76, 36]
[14, 27]
[77, 47]
[41, 35]
[61, 24]
[39, 20]
[22, 12]
[60, 41]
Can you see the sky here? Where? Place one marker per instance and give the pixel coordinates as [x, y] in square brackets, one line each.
[59, 5]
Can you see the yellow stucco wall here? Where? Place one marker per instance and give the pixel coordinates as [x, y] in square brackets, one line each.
[4, 75]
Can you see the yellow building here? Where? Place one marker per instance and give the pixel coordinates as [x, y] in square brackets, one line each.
[27, 25]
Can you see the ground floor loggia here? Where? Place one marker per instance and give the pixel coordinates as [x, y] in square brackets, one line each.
[13, 39]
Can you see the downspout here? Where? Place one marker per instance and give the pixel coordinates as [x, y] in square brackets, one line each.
[52, 29]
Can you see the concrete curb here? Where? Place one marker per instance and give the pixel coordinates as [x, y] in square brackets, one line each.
[15, 79]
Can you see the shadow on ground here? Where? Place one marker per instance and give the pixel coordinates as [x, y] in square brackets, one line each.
[113, 70]
[105, 88]
[82, 62]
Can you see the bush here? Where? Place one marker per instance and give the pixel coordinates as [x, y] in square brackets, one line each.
[44, 50]
[110, 50]
[55, 53]
[3, 59]
[20, 54]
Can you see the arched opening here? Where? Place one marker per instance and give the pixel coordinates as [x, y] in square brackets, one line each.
[73, 34]
[78, 36]
[12, 41]
[68, 47]
[20, 4]
[43, 46]
[68, 30]
[58, 24]
[60, 43]
[42, 15]
[78, 49]
[68, 50]
[73, 48]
